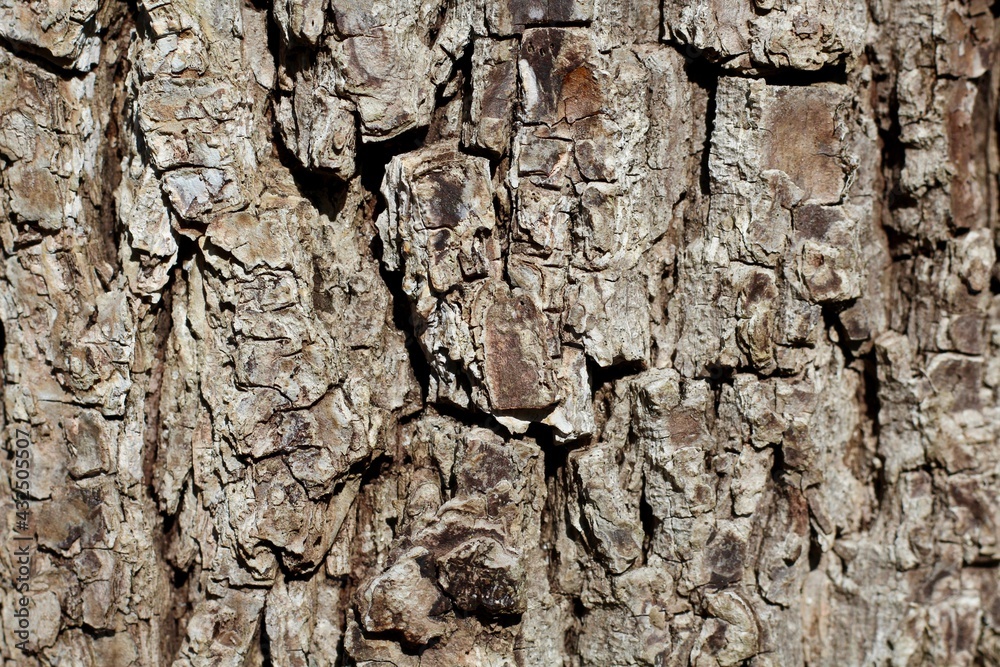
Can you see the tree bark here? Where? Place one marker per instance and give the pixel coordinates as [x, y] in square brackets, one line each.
[589, 333]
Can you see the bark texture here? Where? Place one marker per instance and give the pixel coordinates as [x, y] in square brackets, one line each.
[577, 333]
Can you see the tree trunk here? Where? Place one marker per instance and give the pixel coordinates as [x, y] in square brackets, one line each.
[589, 333]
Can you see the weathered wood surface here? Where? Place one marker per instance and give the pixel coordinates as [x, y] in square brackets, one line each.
[581, 333]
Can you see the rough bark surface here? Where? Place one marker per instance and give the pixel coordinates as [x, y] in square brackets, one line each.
[580, 333]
